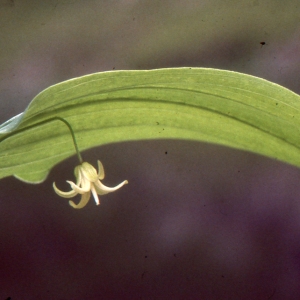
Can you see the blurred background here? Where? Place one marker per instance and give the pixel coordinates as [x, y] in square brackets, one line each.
[196, 221]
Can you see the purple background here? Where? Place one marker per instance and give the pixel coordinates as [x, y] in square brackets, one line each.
[196, 221]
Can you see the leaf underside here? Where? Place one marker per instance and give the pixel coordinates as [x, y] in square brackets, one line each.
[199, 104]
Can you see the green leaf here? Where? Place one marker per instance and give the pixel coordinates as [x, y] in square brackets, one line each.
[214, 106]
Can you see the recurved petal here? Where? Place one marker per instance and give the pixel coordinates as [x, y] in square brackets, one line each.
[64, 194]
[101, 173]
[83, 201]
[103, 189]
[86, 188]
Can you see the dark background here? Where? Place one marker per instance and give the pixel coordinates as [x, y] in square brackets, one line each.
[196, 221]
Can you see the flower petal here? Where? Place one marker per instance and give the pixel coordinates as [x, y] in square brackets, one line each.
[101, 173]
[103, 189]
[88, 172]
[70, 194]
[78, 175]
[95, 194]
[83, 201]
[86, 188]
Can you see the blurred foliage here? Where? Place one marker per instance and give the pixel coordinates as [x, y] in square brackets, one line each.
[145, 34]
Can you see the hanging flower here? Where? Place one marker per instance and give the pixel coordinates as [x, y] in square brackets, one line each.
[88, 180]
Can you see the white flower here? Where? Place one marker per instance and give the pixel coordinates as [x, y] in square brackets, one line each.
[88, 180]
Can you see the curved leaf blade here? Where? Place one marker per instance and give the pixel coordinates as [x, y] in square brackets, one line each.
[210, 105]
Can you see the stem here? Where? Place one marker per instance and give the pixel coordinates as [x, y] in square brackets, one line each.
[73, 137]
[47, 121]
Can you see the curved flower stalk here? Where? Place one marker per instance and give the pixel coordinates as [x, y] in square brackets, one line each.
[88, 180]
